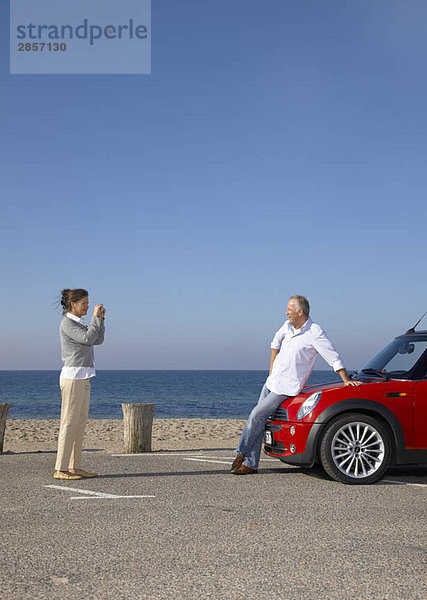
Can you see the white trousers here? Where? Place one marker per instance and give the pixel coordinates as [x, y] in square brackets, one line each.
[74, 413]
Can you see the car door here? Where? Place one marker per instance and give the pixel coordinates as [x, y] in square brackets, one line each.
[420, 414]
[398, 396]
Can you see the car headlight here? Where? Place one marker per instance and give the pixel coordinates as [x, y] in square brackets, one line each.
[308, 405]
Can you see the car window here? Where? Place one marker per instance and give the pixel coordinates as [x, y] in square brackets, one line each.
[400, 357]
[407, 359]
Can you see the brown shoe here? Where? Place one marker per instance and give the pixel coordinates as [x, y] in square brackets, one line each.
[237, 462]
[244, 470]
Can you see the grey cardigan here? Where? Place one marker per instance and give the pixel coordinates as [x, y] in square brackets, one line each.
[77, 341]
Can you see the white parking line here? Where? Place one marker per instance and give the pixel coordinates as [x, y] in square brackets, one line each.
[403, 483]
[230, 457]
[154, 454]
[219, 462]
[90, 494]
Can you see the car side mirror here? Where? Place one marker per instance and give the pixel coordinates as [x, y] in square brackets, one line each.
[406, 348]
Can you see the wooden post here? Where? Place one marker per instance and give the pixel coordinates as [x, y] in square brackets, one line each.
[138, 426]
[4, 409]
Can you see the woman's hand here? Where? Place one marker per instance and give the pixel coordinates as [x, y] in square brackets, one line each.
[99, 311]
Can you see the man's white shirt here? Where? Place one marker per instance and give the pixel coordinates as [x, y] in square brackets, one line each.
[298, 349]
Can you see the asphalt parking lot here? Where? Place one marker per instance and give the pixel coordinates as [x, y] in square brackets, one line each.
[177, 525]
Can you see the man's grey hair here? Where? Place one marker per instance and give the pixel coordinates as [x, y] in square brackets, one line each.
[302, 304]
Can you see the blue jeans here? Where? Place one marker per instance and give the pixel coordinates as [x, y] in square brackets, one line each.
[253, 432]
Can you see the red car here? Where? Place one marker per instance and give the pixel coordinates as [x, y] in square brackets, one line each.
[356, 433]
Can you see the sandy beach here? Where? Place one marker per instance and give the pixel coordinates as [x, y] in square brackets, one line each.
[32, 435]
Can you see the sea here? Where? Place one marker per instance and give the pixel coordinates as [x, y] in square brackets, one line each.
[176, 394]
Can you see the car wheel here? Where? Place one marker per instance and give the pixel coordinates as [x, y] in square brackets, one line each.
[355, 449]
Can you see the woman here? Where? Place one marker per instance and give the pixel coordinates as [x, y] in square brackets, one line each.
[77, 341]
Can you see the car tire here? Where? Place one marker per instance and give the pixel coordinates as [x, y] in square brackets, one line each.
[355, 449]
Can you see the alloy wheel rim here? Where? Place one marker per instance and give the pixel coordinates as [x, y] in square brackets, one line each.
[358, 450]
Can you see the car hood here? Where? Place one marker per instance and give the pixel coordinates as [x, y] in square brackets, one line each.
[333, 392]
[339, 385]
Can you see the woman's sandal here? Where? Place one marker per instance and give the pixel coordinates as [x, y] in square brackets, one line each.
[82, 473]
[66, 475]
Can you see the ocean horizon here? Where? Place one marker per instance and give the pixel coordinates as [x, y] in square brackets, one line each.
[229, 394]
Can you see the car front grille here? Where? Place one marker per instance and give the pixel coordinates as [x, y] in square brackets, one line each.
[276, 448]
[280, 414]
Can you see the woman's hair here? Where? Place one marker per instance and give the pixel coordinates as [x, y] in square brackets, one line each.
[68, 296]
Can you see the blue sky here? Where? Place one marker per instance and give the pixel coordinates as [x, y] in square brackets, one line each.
[276, 148]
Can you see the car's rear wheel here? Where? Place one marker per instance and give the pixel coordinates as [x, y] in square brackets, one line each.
[355, 449]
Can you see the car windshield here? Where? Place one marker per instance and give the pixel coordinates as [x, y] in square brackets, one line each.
[399, 358]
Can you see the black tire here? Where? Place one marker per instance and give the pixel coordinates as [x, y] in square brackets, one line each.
[355, 449]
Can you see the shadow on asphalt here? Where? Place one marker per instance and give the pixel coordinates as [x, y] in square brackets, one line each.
[163, 474]
[226, 471]
[191, 450]
[317, 472]
[417, 470]
[9, 452]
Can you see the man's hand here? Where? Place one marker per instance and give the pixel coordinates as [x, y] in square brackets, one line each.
[346, 379]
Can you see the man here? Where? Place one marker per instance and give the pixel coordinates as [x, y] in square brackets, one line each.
[293, 352]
